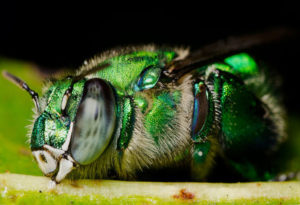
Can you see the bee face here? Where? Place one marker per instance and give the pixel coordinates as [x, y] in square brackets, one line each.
[61, 135]
[50, 130]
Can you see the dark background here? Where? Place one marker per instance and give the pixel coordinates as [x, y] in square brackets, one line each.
[55, 37]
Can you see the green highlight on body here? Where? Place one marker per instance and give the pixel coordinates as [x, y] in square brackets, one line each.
[50, 127]
[128, 119]
[125, 69]
[56, 131]
[247, 129]
[236, 102]
[141, 103]
[37, 139]
[243, 64]
[161, 114]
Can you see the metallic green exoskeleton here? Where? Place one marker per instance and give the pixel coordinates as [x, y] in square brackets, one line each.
[129, 112]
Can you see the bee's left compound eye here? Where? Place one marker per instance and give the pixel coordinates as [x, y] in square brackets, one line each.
[94, 123]
[45, 161]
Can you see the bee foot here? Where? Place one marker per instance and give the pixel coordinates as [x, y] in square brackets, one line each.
[287, 176]
[51, 184]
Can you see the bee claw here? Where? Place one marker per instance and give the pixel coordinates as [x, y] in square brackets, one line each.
[52, 184]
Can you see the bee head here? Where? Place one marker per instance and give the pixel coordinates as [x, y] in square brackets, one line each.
[52, 129]
[75, 123]
[78, 119]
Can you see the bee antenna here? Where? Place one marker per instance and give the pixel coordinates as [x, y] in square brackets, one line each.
[20, 83]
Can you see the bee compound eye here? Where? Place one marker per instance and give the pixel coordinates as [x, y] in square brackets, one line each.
[95, 122]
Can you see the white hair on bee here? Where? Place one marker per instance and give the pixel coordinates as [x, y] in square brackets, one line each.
[142, 151]
[182, 52]
[215, 98]
[266, 89]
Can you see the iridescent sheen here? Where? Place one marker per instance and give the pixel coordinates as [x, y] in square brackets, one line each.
[201, 109]
[51, 127]
[125, 69]
[37, 139]
[128, 118]
[141, 103]
[243, 64]
[161, 114]
[148, 78]
[165, 120]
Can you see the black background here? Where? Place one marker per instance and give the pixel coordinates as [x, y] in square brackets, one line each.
[55, 37]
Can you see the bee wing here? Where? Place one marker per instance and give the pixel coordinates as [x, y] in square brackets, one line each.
[94, 122]
[226, 47]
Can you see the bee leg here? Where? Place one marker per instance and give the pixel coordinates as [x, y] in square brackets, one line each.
[287, 177]
[202, 159]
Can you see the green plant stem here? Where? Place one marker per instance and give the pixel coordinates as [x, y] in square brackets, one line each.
[109, 191]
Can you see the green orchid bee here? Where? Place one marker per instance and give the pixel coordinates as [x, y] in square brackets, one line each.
[134, 111]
